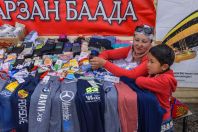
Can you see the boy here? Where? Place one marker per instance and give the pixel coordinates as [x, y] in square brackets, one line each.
[161, 80]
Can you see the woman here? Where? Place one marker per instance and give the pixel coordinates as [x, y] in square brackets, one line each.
[135, 55]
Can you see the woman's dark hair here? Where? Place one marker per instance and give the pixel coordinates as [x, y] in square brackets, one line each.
[163, 53]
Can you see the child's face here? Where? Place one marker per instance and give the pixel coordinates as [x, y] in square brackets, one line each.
[154, 66]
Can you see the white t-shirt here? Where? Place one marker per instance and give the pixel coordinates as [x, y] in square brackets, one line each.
[127, 62]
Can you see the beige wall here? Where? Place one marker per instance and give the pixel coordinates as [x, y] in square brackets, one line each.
[187, 95]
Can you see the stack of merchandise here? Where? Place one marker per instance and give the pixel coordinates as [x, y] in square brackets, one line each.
[10, 31]
[10, 35]
[43, 69]
[55, 55]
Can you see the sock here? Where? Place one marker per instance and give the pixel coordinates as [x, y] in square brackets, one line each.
[59, 48]
[67, 47]
[9, 49]
[63, 38]
[79, 40]
[31, 37]
[76, 49]
[18, 49]
[48, 47]
[38, 50]
[28, 50]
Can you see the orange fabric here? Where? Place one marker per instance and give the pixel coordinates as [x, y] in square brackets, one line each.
[127, 108]
[178, 108]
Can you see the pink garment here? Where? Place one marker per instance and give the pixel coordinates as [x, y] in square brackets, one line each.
[124, 42]
[127, 107]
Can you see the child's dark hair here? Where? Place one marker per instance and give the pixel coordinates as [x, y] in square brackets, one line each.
[163, 53]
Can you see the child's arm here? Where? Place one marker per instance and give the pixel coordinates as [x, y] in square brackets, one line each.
[140, 70]
[154, 84]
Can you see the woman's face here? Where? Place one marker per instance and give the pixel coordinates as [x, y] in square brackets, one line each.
[141, 43]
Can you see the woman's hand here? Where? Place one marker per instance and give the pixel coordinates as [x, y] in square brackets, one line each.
[97, 62]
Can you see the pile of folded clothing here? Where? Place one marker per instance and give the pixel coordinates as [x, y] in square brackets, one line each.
[7, 30]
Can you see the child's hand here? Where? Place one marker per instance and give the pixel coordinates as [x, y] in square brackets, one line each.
[97, 62]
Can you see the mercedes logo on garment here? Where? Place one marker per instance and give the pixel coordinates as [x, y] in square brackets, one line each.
[66, 96]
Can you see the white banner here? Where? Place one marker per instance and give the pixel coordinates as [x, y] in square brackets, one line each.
[177, 26]
[170, 12]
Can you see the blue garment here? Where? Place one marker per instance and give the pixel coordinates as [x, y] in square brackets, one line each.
[100, 73]
[90, 107]
[112, 39]
[99, 43]
[120, 45]
[6, 121]
[150, 113]
[20, 101]
[4, 79]
[112, 121]
[67, 47]
[70, 121]
[2, 83]
[6, 115]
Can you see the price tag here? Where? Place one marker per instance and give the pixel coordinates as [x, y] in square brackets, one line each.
[36, 58]
[19, 66]
[59, 62]
[12, 86]
[45, 79]
[83, 55]
[47, 62]
[20, 80]
[20, 57]
[5, 66]
[112, 79]
[27, 64]
[73, 63]
[38, 62]
[92, 83]
[2, 51]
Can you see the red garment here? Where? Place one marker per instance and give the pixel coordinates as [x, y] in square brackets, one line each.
[162, 86]
[127, 108]
[121, 53]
